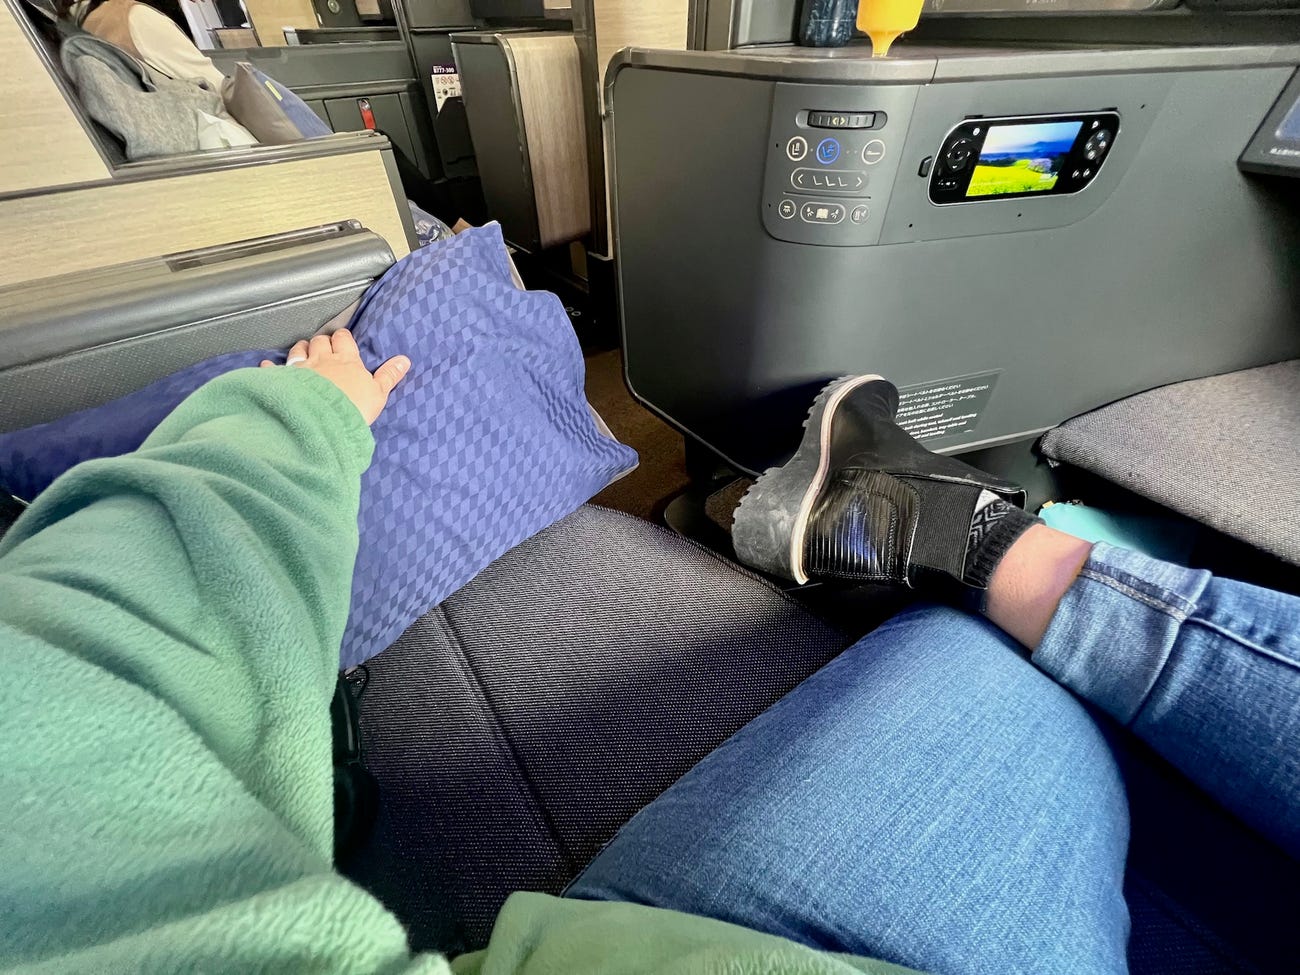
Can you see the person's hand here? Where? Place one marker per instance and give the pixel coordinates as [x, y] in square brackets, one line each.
[337, 358]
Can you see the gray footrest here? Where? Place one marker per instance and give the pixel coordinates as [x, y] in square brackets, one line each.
[1224, 451]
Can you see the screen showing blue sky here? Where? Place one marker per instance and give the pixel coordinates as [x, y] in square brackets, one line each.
[1029, 140]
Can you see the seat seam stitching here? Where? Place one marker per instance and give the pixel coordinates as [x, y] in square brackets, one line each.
[520, 768]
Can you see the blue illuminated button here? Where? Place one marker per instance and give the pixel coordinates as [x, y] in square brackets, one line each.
[828, 150]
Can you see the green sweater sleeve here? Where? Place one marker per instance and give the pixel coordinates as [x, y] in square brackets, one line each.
[170, 621]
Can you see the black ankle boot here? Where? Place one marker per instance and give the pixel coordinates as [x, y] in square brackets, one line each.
[861, 500]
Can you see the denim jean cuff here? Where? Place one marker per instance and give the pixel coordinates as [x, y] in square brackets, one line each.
[1115, 627]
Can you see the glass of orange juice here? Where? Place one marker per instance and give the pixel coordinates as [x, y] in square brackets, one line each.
[884, 20]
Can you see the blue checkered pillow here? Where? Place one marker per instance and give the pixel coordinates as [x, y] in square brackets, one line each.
[488, 440]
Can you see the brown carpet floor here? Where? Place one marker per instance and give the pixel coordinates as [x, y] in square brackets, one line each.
[662, 472]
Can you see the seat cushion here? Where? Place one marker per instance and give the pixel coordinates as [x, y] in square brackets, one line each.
[1222, 451]
[514, 729]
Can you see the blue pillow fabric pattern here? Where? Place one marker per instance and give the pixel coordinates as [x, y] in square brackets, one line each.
[488, 440]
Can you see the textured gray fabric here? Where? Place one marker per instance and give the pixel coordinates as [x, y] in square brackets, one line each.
[514, 729]
[49, 32]
[1224, 451]
[152, 115]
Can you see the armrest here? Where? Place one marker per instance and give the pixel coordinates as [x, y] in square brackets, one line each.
[338, 144]
[79, 340]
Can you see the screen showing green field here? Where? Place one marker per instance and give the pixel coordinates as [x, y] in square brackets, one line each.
[1024, 158]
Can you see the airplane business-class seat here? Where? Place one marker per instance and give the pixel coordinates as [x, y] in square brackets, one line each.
[517, 726]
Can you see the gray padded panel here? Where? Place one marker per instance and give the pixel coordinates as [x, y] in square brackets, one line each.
[1224, 451]
[728, 332]
[54, 387]
[74, 342]
[514, 729]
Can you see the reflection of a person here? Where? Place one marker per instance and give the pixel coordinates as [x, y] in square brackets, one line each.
[149, 32]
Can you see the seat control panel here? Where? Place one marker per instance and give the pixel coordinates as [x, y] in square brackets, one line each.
[828, 169]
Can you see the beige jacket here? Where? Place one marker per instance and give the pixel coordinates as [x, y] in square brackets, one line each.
[152, 37]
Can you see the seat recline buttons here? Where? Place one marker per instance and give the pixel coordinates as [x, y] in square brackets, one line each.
[820, 212]
[797, 148]
[828, 150]
[831, 180]
[859, 214]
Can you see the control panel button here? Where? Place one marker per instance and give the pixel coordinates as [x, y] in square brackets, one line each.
[787, 209]
[829, 180]
[817, 212]
[797, 148]
[873, 152]
[926, 163]
[828, 150]
[841, 120]
[959, 153]
[1097, 145]
[859, 214]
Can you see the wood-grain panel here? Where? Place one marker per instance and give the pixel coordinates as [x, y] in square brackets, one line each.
[640, 23]
[41, 141]
[110, 224]
[550, 96]
[270, 17]
[628, 23]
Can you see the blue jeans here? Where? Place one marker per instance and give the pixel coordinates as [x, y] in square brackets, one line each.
[932, 799]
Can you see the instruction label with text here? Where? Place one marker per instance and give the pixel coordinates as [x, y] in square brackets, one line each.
[947, 407]
[446, 83]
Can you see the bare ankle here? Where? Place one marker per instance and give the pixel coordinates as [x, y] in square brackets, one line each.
[1030, 580]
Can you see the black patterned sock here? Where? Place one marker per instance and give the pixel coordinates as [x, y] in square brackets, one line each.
[994, 528]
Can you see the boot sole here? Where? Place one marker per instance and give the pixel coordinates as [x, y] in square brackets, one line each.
[771, 520]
